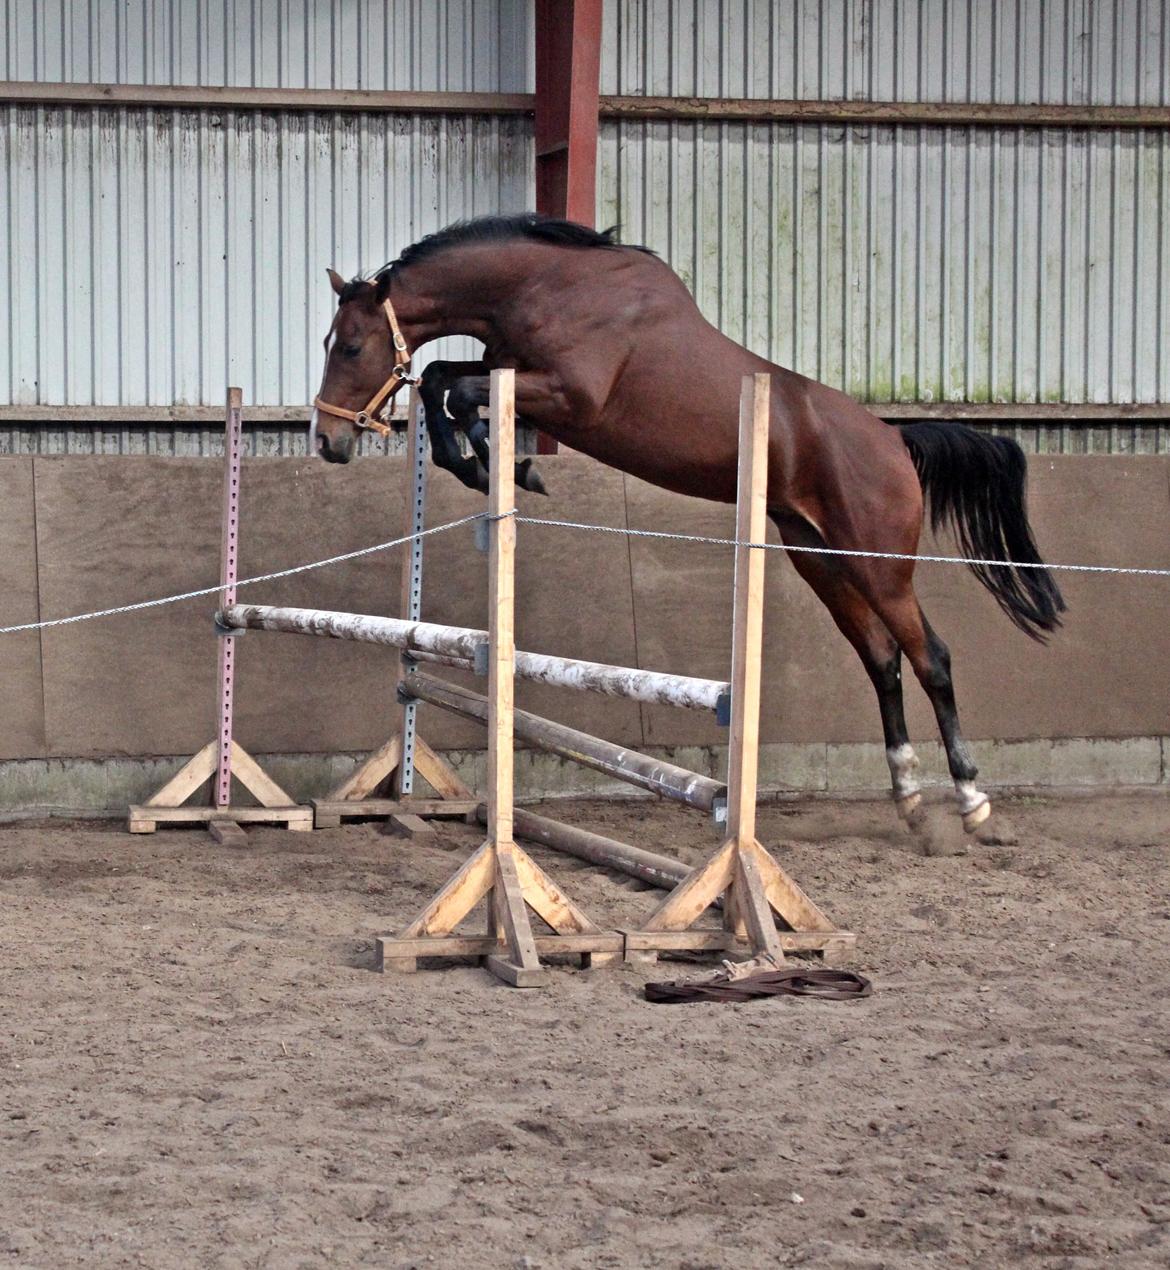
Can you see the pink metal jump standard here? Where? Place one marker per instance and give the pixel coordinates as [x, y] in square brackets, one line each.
[223, 757]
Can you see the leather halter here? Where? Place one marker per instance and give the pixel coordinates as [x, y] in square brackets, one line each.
[381, 400]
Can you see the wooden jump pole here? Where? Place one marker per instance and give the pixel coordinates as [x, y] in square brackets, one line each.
[650, 686]
[647, 866]
[656, 775]
[500, 872]
[753, 883]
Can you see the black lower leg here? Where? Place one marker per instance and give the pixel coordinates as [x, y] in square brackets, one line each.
[445, 451]
[940, 688]
[464, 402]
[886, 677]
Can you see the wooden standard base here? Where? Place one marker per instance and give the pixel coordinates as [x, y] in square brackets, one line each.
[353, 799]
[511, 882]
[754, 888]
[329, 813]
[169, 805]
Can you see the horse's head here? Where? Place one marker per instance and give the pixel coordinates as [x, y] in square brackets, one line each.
[365, 361]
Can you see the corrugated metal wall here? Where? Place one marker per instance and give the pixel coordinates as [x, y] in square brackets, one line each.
[915, 263]
[910, 263]
[1097, 52]
[151, 256]
[419, 45]
[157, 255]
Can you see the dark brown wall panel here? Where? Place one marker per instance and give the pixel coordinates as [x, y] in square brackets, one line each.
[1098, 676]
[1093, 679]
[22, 734]
[114, 530]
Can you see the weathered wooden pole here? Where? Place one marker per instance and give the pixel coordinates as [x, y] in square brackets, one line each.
[658, 870]
[650, 686]
[656, 775]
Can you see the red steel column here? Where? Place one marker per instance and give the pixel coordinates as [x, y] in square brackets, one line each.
[568, 70]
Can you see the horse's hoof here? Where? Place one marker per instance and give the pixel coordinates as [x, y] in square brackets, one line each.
[529, 478]
[908, 806]
[976, 816]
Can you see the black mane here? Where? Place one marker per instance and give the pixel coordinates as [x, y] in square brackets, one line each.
[532, 225]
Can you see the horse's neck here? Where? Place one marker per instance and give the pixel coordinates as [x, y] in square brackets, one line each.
[456, 293]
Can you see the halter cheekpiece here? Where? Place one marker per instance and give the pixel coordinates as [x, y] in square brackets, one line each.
[382, 399]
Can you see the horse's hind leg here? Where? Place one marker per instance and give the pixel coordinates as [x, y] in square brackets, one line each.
[874, 645]
[931, 660]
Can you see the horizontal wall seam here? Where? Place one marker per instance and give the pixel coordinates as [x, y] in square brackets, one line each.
[1087, 413]
[719, 109]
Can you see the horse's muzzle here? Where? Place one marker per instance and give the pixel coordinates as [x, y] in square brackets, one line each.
[336, 449]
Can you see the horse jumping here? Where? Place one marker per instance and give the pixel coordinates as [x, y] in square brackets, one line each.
[614, 359]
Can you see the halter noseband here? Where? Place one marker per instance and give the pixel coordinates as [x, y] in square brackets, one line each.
[381, 400]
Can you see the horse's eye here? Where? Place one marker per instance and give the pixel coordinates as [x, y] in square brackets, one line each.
[351, 350]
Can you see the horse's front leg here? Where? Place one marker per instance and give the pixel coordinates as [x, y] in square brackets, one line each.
[464, 401]
[433, 387]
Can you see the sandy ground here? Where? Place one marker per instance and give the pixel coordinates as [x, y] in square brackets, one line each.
[198, 1068]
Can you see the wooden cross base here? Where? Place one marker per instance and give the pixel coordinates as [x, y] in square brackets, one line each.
[355, 799]
[169, 805]
[511, 882]
[754, 888]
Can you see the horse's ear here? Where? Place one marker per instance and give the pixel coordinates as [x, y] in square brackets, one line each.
[336, 280]
[381, 287]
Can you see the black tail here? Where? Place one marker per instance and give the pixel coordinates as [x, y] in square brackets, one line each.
[975, 483]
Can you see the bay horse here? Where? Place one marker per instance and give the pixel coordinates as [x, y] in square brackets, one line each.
[614, 359]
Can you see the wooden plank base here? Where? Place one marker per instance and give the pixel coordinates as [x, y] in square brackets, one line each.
[514, 974]
[390, 947]
[405, 824]
[328, 813]
[227, 833]
[512, 884]
[755, 890]
[641, 945]
[144, 819]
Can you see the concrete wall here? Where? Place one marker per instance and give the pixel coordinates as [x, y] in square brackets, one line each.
[86, 533]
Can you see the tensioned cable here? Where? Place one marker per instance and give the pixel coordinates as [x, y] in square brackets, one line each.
[835, 551]
[263, 577]
[598, 529]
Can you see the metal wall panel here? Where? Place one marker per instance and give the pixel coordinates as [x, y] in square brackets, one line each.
[1100, 52]
[1077, 51]
[416, 45]
[915, 263]
[291, 440]
[150, 257]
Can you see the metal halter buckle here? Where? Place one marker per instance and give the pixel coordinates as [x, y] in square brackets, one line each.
[361, 419]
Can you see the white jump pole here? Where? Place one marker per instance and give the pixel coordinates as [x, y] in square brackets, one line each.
[650, 686]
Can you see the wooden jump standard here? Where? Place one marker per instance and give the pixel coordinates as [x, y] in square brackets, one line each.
[752, 883]
[500, 872]
[383, 783]
[752, 880]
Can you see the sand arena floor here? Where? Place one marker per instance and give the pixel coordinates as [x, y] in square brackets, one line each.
[197, 1067]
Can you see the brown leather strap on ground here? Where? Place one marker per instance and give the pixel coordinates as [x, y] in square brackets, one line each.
[794, 981]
